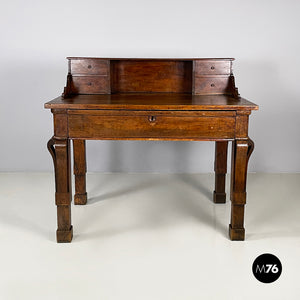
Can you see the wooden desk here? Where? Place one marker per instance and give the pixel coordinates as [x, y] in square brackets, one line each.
[150, 99]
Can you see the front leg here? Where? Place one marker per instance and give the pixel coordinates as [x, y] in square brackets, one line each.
[241, 151]
[60, 151]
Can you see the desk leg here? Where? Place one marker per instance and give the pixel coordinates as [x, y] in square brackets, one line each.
[80, 196]
[241, 151]
[60, 152]
[220, 171]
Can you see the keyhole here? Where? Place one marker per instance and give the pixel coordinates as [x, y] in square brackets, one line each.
[152, 118]
[89, 66]
[212, 85]
[212, 67]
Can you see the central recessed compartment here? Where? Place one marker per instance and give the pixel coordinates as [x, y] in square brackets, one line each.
[155, 76]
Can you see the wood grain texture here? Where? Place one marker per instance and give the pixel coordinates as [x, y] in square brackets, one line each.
[242, 120]
[63, 190]
[150, 99]
[240, 157]
[212, 85]
[60, 120]
[90, 85]
[80, 197]
[212, 67]
[151, 76]
[151, 58]
[89, 67]
[155, 124]
[220, 171]
[155, 101]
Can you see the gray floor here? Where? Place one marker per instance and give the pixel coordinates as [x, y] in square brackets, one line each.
[147, 236]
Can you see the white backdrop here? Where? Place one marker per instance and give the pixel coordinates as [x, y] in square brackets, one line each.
[36, 36]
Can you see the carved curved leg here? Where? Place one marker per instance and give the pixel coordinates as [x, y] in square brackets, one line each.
[220, 171]
[60, 152]
[241, 151]
[250, 148]
[80, 196]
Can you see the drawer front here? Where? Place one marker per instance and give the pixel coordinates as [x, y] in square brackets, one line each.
[151, 125]
[210, 85]
[89, 66]
[212, 67]
[90, 84]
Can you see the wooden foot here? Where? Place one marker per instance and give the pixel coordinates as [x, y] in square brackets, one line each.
[220, 171]
[80, 197]
[64, 236]
[241, 151]
[236, 234]
[219, 197]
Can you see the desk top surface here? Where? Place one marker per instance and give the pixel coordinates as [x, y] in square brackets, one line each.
[153, 58]
[152, 101]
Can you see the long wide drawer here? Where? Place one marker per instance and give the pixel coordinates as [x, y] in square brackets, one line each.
[122, 124]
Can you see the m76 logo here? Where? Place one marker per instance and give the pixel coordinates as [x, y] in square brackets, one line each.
[267, 268]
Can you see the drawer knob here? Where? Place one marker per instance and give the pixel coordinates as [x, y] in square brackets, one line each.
[152, 118]
[89, 66]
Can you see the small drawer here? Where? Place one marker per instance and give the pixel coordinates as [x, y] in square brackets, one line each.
[89, 66]
[212, 67]
[164, 125]
[212, 85]
[90, 84]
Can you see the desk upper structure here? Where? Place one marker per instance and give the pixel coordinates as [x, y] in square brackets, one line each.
[150, 99]
[175, 84]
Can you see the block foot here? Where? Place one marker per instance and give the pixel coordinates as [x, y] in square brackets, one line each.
[64, 236]
[80, 199]
[236, 234]
[219, 197]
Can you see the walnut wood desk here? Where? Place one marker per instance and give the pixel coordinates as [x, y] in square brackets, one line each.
[150, 99]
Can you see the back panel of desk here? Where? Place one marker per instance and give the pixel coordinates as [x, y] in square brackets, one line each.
[108, 76]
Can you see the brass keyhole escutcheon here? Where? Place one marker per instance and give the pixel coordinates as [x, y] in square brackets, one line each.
[152, 118]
